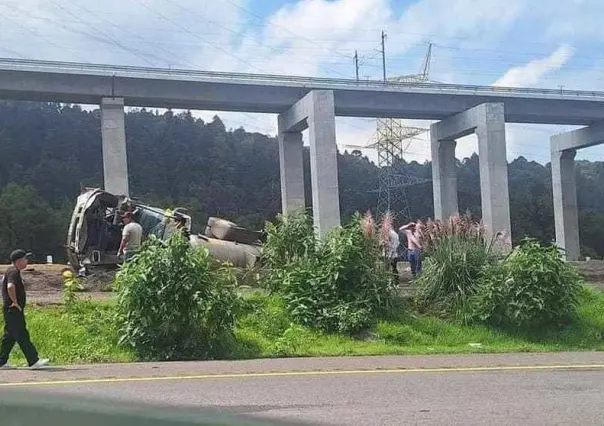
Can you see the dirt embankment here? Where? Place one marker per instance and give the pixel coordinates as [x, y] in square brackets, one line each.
[44, 283]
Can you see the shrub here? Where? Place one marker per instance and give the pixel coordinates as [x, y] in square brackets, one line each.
[339, 285]
[532, 288]
[174, 304]
[458, 254]
[291, 239]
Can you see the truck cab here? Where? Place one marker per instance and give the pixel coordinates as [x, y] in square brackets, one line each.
[95, 229]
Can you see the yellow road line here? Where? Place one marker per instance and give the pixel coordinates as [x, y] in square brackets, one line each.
[305, 373]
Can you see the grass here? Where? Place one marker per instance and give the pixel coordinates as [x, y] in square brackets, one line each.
[84, 335]
[264, 330]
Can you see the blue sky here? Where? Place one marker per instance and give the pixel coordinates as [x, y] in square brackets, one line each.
[531, 43]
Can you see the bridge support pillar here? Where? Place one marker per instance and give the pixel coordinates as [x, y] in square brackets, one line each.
[113, 133]
[291, 170]
[444, 177]
[566, 212]
[316, 113]
[488, 122]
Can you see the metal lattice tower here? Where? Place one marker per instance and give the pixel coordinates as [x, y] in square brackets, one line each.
[393, 139]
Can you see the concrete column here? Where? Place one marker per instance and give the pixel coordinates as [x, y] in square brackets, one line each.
[323, 161]
[566, 213]
[490, 131]
[291, 170]
[113, 132]
[444, 177]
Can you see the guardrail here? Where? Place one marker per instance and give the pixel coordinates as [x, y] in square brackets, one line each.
[114, 70]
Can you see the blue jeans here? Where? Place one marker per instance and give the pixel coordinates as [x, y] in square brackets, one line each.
[415, 261]
[129, 255]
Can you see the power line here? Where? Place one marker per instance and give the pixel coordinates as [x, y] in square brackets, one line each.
[14, 52]
[133, 34]
[40, 36]
[108, 37]
[238, 33]
[392, 31]
[283, 29]
[185, 29]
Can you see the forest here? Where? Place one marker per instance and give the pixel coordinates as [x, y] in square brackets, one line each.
[49, 150]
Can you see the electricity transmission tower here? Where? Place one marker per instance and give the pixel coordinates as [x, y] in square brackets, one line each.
[391, 141]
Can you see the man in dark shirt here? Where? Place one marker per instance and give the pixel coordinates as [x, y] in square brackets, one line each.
[13, 306]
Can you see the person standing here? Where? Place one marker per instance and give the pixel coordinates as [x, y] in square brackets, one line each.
[13, 309]
[132, 235]
[414, 247]
[393, 245]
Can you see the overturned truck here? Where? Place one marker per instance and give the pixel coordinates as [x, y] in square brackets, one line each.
[94, 234]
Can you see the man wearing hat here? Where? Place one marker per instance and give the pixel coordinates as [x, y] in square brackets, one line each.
[13, 307]
[132, 234]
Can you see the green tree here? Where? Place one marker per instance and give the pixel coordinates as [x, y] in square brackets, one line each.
[27, 221]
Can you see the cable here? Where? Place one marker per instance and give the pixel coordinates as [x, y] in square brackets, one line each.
[40, 36]
[283, 29]
[14, 52]
[111, 39]
[185, 29]
[240, 33]
[133, 34]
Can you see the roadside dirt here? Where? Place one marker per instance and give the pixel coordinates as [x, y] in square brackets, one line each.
[44, 283]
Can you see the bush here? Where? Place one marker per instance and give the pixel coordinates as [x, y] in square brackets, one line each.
[458, 254]
[337, 285]
[291, 239]
[532, 288]
[174, 304]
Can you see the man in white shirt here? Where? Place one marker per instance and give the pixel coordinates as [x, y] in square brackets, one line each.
[132, 235]
[393, 244]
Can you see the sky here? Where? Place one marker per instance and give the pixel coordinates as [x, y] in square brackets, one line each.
[520, 43]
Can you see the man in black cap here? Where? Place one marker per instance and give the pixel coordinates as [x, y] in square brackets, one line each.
[13, 306]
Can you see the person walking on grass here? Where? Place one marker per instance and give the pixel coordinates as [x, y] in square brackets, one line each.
[414, 247]
[13, 309]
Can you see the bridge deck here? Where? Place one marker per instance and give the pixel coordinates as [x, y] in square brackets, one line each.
[188, 89]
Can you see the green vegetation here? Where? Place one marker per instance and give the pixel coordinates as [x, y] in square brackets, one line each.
[533, 287]
[467, 280]
[264, 329]
[172, 303]
[176, 303]
[335, 284]
[86, 334]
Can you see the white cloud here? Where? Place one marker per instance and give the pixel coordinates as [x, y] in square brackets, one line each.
[532, 73]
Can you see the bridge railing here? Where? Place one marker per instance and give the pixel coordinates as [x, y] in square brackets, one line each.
[131, 71]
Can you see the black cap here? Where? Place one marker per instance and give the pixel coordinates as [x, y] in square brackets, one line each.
[19, 254]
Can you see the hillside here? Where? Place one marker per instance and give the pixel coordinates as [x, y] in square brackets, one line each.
[47, 151]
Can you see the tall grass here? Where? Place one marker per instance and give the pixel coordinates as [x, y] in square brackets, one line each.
[458, 253]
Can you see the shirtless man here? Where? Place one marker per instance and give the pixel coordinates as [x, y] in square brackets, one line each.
[414, 246]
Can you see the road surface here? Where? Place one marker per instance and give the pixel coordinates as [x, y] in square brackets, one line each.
[527, 389]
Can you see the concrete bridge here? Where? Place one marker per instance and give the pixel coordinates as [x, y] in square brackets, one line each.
[313, 103]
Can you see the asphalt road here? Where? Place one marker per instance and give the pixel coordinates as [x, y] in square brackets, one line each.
[496, 394]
